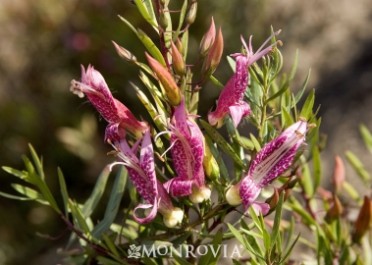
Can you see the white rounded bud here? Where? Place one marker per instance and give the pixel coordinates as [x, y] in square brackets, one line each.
[199, 195]
[173, 218]
[232, 196]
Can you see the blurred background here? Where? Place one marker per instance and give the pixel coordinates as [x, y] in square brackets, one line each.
[43, 43]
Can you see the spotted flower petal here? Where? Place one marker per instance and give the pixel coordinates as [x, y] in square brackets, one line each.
[230, 100]
[187, 154]
[93, 85]
[270, 162]
[142, 173]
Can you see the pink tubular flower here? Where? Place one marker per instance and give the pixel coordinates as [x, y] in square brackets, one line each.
[142, 174]
[187, 153]
[231, 100]
[119, 117]
[270, 162]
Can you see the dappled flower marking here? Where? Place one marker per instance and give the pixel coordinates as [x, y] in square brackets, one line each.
[231, 98]
[187, 153]
[270, 162]
[118, 116]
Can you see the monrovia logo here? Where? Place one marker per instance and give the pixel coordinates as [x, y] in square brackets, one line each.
[185, 251]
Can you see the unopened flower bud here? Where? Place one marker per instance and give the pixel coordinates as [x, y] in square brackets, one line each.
[163, 20]
[214, 56]
[338, 174]
[179, 46]
[199, 195]
[173, 218]
[124, 53]
[210, 164]
[335, 211]
[232, 196]
[208, 39]
[364, 220]
[165, 78]
[191, 15]
[178, 62]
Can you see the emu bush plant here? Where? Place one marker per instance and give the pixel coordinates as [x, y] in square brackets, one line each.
[199, 180]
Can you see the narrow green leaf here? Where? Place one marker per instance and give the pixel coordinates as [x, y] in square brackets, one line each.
[147, 11]
[296, 207]
[17, 173]
[37, 162]
[63, 189]
[112, 207]
[307, 108]
[182, 16]
[146, 41]
[286, 117]
[277, 94]
[246, 143]
[306, 181]
[351, 190]
[303, 88]
[366, 135]
[221, 142]
[255, 142]
[97, 193]
[277, 220]
[293, 70]
[110, 245]
[15, 197]
[317, 167]
[237, 234]
[79, 219]
[358, 166]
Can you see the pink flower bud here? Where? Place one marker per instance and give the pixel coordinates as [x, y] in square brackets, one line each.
[178, 62]
[172, 91]
[214, 56]
[208, 39]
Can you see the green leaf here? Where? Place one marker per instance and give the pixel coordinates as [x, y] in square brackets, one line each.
[181, 261]
[286, 117]
[17, 173]
[255, 142]
[15, 197]
[358, 166]
[79, 219]
[97, 193]
[307, 108]
[277, 94]
[182, 16]
[63, 188]
[306, 181]
[147, 11]
[303, 88]
[146, 41]
[293, 70]
[317, 167]
[298, 208]
[37, 162]
[366, 135]
[112, 207]
[277, 220]
[222, 143]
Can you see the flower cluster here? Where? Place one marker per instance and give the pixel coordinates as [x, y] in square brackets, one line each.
[132, 138]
